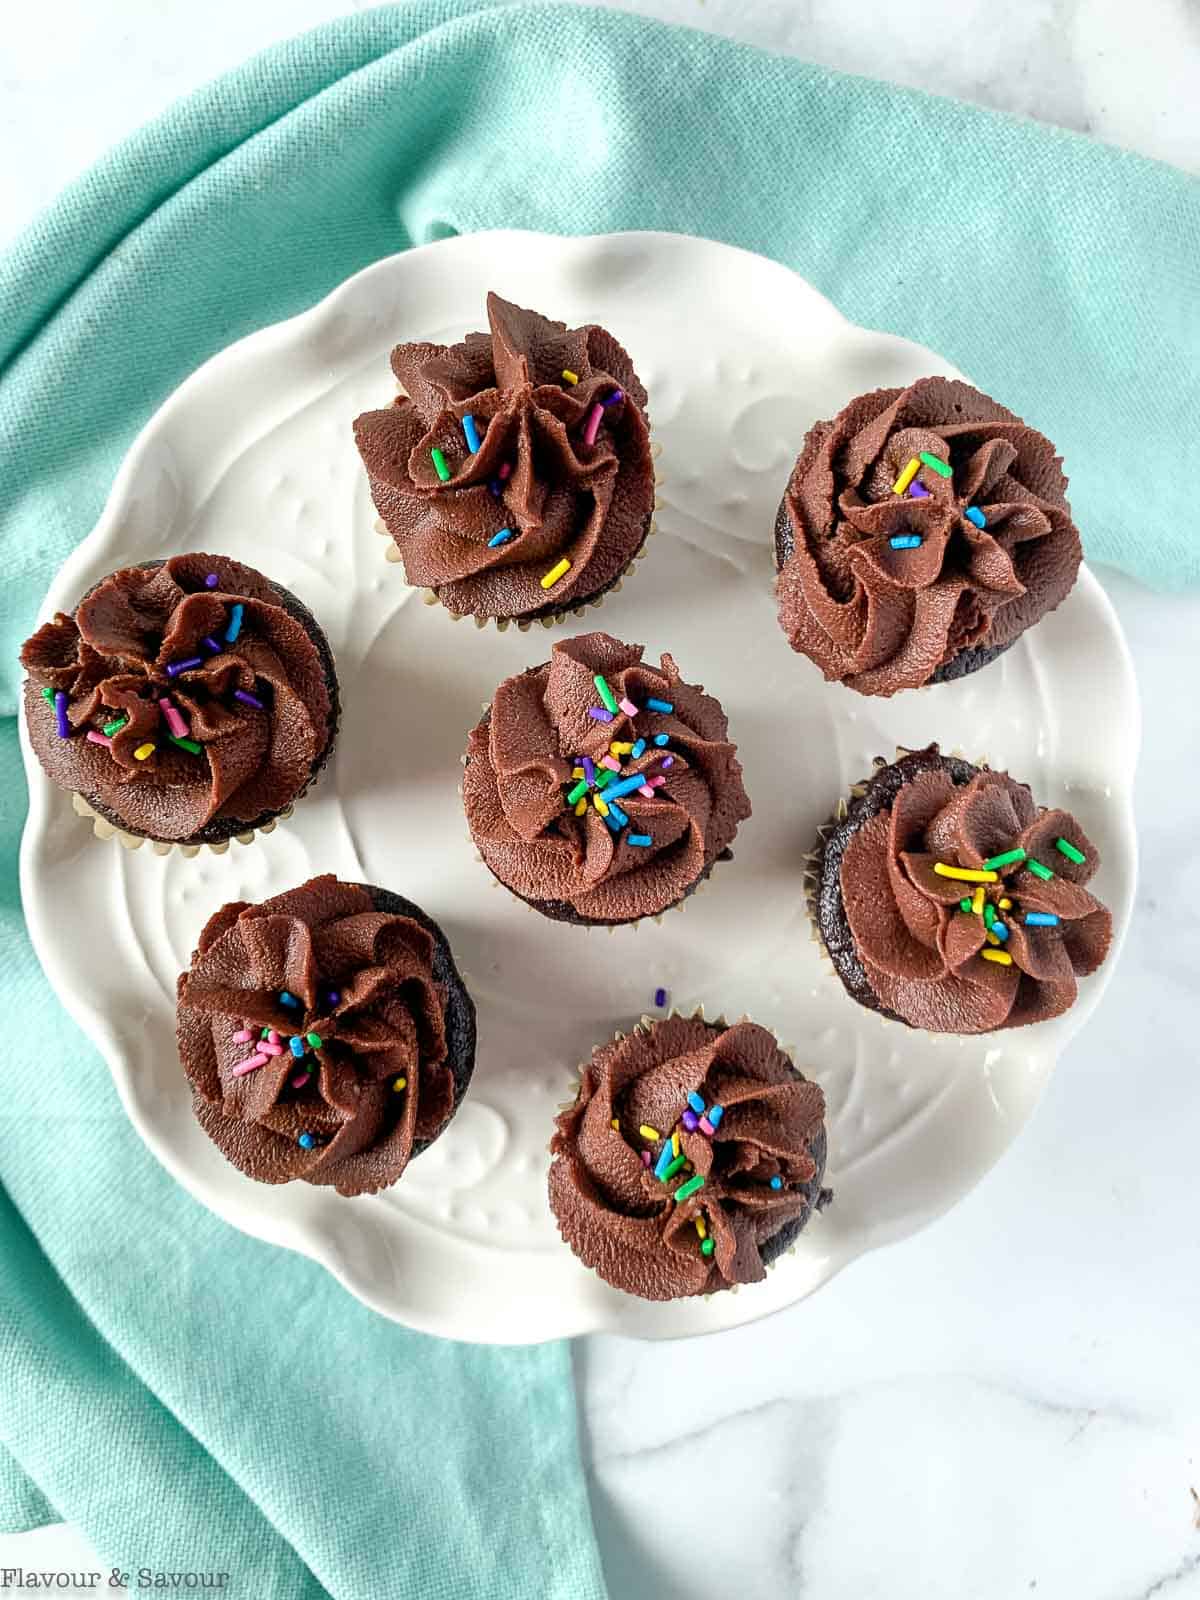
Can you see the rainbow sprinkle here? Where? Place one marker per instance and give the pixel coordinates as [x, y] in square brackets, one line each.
[114, 726]
[647, 1132]
[639, 839]
[600, 714]
[1039, 871]
[236, 612]
[248, 699]
[906, 477]
[144, 752]
[917, 491]
[570, 377]
[471, 432]
[499, 538]
[614, 399]
[627, 706]
[1000, 957]
[306, 1141]
[686, 1190]
[174, 668]
[906, 541]
[1040, 919]
[605, 693]
[660, 998]
[296, 1045]
[190, 745]
[973, 514]
[555, 573]
[1004, 860]
[637, 749]
[966, 874]
[439, 464]
[173, 719]
[593, 425]
[665, 706]
[99, 738]
[936, 464]
[251, 1064]
[1066, 848]
[60, 715]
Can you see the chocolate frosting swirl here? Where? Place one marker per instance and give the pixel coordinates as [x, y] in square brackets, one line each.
[533, 473]
[921, 953]
[623, 1221]
[368, 990]
[881, 619]
[111, 659]
[520, 762]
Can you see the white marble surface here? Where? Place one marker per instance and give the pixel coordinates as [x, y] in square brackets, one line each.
[1009, 1404]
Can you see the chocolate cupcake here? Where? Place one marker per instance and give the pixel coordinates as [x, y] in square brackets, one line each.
[514, 471]
[600, 789]
[326, 1034]
[922, 531]
[187, 701]
[691, 1158]
[947, 900]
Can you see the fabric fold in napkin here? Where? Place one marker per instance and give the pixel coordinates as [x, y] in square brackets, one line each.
[194, 1399]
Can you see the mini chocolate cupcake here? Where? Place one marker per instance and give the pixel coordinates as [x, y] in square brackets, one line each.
[922, 531]
[600, 789]
[691, 1158]
[326, 1034]
[947, 900]
[187, 701]
[514, 472]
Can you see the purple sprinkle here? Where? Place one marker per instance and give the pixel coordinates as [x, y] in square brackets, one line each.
[248, 699]
[332, 998]
[589, 771]
[212, 580]
[667, 761]
[494, 486]
[600, 714]
[614, 398]
[174, 668]
[211, 644]
[660, 998]
[918, 491]
[60, 715]
[690, 1121]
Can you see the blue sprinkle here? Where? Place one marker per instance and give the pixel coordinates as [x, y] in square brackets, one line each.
[306, 1141]
[660, 739]
[611, 822]
[297, 1045]
[286, 999]
[640, 839]
[1040, 919]
[1001, 932]
[973, 514]
[696, 1103]
[905, 541]
[614, 810]
[471, 432]
[777, 1182]
[499, 538]
[665, 1157]
[715, 1113]
[660, 998]
[637, 749]
[659, 705]
[235, 623]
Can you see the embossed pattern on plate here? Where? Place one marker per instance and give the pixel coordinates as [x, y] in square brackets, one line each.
[254, 456]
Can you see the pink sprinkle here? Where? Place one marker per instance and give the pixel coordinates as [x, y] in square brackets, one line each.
[99, 738]
[593, 425]
[250, 1065]
[628, 707]
[268, 1049]
[299, 1080]
[611, 763]
[272, 1036]
[706, 1127]
[505, 471]
[657, 781]
[174, 721]
[647, 791]
[645, 1158]
[243, 1036]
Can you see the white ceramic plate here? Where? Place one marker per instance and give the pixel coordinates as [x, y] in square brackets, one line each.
[253, 456]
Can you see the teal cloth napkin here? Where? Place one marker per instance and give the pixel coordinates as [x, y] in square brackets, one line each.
[195, 1400]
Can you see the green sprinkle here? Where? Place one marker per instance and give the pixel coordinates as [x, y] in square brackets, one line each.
[1005, 860]
[190, 745]
[114, 727]
[48, 696]
[686, 1190]
[964, 905]
[604, 777]
[439, 465]
[936, 464]
[265, 1034]
[1038, 870]
[989, 914]
[707, 1247]
[578, 792]
[314, 1039]
[605, 693]
[1068, 849]
[675, 1166]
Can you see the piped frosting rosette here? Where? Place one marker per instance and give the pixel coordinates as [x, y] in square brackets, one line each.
[599, 788]
[691, 1157]
[514, 473]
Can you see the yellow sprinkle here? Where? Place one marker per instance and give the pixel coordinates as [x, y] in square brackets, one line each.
[400, 1083]
[556, 573]
[578, 772]
[700, 1227]
[615, 1123]
[991, 937]
[619, 749]
[1006, 904]
[571, 377]
[647, 1132]
[600, 806]
[142, 751]
[977, 902]
[581, 806]
[674, 1144]
[1000, 957]
[907, 476]
[965, 874]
